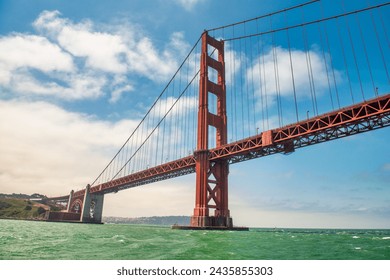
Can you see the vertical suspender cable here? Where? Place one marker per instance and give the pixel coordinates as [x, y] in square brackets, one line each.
[163, 133]
[157, 152]
[326, 65]
[330, 57]
[380, 46]
[292, 75]
[247, 84]
[354, 54]
[332, 66]
[253, 89]
[365, 53]
[308, 66]
[241, 92]
[345, 60]
[265, 86]
[260, 77]
[186, 115]
[276, 74]
[234, 91]
[384, 28]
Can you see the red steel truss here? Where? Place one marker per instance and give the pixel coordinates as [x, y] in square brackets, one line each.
[347, 121]
[362, 117]
[165, 171]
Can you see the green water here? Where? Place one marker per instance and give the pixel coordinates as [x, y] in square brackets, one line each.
[21, 240]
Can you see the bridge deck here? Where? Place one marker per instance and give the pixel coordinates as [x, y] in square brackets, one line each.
[362, 117]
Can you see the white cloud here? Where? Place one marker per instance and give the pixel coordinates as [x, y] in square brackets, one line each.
[81, 60]
[33, 65]
[232, 64]
[20, 51]
[50, 23]
[47, 149]
[116, 51]
[73, 85]
[102, 50]
[117, 93]
[146, 60]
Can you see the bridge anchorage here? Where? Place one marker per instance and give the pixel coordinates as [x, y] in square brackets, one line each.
[213, 153]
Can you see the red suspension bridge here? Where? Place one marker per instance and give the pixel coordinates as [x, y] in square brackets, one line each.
[247, 90]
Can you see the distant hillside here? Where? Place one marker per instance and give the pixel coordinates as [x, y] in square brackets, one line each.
[14, 208]
[163, 220]
[23, 196]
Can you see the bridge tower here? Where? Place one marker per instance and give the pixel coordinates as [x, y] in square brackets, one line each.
[211, 176]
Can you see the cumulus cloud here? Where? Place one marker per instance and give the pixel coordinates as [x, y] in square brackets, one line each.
[116, 50]
[34, 51]
[102, 50]
[20, 51]
[79, 60]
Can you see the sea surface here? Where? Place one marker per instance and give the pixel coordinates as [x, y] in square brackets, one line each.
[30, 240]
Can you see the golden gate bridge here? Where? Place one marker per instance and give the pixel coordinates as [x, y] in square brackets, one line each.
[267, 85]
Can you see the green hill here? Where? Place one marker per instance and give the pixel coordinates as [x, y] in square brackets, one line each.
[13, 208]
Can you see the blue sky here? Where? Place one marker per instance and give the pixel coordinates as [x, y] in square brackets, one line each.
[76, 77]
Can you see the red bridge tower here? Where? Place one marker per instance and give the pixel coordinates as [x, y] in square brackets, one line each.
[211, 176]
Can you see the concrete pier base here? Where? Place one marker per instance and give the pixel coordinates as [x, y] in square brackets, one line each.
[210, 228]
[92, 211]
[210, 223]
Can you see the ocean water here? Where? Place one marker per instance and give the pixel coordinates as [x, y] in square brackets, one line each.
[21, 240]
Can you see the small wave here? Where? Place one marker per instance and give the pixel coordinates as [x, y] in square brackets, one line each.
[119, 238]
[355, 237]
[116, 236]
[358, 248]
[386, 237]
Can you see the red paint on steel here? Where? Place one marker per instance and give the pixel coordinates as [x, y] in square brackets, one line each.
[362, 117]
[211, 177]
[365, 116]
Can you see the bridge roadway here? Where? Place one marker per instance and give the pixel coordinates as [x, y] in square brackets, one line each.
[362, 117]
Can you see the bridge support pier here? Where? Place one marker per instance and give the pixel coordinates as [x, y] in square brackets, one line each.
[68, 206]
[92, 210]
